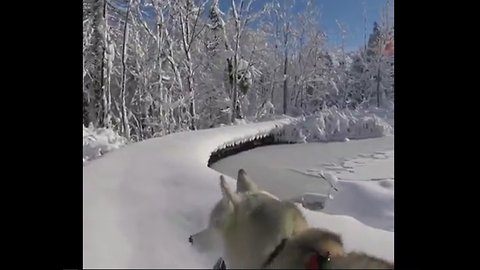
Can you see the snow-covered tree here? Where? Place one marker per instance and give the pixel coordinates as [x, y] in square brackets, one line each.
[372, 71]
[95, 61]
[154, 67]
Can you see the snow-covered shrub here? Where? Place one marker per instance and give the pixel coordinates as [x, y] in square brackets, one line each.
[335, 125]
[98, 141]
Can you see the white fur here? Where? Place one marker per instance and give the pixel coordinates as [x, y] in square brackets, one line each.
[250, 222]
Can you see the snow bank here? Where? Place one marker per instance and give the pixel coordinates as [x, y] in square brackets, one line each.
[356, 236]
[142, 201]
[336, 125]
[366, 201]
[361, 170]
[97, 142]
[386, 112]
[329, 125]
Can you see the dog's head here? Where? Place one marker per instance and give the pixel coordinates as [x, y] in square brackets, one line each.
[223, 210]
[222, 213]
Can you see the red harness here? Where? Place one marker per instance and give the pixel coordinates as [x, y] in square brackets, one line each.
[317, 261]
[313, 262]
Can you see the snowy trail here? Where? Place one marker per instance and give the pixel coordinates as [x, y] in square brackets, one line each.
[141, 202]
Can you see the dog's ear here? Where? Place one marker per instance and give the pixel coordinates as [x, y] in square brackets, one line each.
[227, 193]
[245, 183]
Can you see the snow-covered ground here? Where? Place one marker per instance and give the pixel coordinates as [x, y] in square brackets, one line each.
[141, 202]
[289, 170]
[365, 196]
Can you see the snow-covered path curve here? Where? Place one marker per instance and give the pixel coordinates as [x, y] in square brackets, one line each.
[142, 201]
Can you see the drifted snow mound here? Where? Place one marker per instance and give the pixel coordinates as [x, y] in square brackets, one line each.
[335, 125]
[98, 141]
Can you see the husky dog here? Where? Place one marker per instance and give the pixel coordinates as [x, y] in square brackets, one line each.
[211, 238]
[257, 230]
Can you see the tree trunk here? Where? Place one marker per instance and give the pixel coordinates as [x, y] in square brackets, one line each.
[285, 65]
[235, 105]
[125, 125]
[99, 46]
[86, 116]
[108, 93]
[192, 98]
[272, 86]
[285, 84]
[103, 113]
[185, 27]
[160, 90]
[378, 86]
[234, 87]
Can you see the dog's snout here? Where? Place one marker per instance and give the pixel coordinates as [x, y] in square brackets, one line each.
[190, 239]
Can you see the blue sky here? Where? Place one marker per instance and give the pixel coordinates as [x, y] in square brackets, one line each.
[347, 12]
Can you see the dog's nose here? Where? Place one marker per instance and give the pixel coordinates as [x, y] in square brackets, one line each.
[190, 239]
